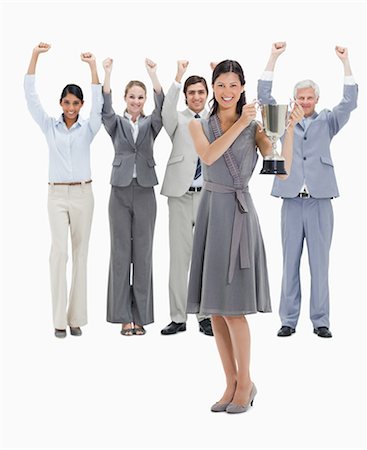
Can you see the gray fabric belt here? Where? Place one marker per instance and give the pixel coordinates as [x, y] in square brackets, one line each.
[239, 230]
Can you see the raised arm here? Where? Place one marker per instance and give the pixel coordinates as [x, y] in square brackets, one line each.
[169, 109]
[276, 50]
[210, 152]
[90, 59]
[340, 114]
[342, 54]
[42, 47]
[265, 82]
[95, 118]
[109, 117]
[152, 72]
[33, 101]
[107, 66]
[156, 115]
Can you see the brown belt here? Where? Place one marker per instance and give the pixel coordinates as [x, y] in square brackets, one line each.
[74, 183]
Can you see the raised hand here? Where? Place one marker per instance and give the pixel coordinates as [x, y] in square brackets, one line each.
[107, 65]
[213, 65]
[278, 48]
[341, 52]
[150, 66]
[88, 57]
[42, 47]
[181, 69]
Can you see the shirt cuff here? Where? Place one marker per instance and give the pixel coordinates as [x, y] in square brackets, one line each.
[177, 84]
[349, 80]
[267, 76]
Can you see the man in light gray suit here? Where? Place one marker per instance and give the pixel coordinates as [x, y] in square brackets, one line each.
[182, 185]
[307, 192]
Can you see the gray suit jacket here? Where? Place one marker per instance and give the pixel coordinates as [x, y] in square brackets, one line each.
[183, 159]
[128, 153]
[312, 161]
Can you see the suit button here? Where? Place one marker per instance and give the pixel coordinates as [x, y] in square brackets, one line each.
[304, 158]
[305, 138]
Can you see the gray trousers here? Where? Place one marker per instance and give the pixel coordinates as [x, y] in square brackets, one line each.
[132, 213]
[182, 217]
[310, 219]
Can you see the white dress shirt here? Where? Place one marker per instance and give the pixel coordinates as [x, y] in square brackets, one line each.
[134, 130]
[69, 148]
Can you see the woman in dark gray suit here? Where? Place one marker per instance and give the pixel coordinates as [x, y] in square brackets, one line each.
[132, 206]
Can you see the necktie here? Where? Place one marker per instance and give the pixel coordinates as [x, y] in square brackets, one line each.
[198, 165]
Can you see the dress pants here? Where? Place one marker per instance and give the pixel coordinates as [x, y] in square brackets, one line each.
[182, 217]
[69, 206]
[132, 213]
[310, 219]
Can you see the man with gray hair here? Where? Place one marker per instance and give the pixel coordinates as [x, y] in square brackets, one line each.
[307, 192]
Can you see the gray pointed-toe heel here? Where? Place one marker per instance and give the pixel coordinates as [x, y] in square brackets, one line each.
[233, 408]
[219, 407]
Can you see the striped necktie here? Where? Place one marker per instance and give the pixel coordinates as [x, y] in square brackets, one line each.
[198, 165]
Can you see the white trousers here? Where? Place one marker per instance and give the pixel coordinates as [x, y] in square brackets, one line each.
[69, 207]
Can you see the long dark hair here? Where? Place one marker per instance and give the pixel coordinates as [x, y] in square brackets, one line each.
[72, 89]
[224, 67]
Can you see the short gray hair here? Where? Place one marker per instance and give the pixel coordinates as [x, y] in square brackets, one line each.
[306, 84]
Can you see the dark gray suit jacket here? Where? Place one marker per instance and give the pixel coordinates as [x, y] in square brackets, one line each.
[128, 153]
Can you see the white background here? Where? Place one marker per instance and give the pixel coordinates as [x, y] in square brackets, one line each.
[108, 391]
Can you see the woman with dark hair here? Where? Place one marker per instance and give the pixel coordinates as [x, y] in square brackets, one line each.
[132, 206]
[228, 277]
[70, 196]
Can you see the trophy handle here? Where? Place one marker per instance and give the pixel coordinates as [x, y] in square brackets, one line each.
[258, 105]
[291, 104]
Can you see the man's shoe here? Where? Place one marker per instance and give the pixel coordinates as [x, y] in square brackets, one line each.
[60, 333]
[323, 332]
[75, 331]
[205, 326]
[286, 331]
[174, 328]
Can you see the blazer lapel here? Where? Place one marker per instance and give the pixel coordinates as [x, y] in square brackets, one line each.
[144, 124]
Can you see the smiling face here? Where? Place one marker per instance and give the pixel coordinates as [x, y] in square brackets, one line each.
[306, 97]
[135, 99]
[227, 90]
[196, 96]
[71, 105]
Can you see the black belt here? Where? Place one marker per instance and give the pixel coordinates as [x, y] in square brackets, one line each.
[304, 195]
[195, 189]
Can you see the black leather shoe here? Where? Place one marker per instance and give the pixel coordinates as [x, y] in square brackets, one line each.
[174, 328]
[323, 332]
[205, 326]
[286, 331]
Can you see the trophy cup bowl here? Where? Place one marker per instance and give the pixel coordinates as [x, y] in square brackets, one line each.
[274, 119]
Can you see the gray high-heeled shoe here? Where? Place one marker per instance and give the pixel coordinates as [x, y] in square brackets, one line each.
[233, 408]
[219, 407]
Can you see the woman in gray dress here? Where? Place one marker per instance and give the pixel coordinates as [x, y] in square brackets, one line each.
[228, 277]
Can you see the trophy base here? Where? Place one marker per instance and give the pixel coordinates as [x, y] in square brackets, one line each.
[273, 167]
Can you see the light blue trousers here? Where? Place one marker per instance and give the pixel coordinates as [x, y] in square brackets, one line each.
[311, 219]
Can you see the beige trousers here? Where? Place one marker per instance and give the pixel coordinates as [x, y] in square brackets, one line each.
[69, 206]
[182, 218]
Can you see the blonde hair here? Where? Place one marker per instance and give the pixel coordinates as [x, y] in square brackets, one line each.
[133, 83]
